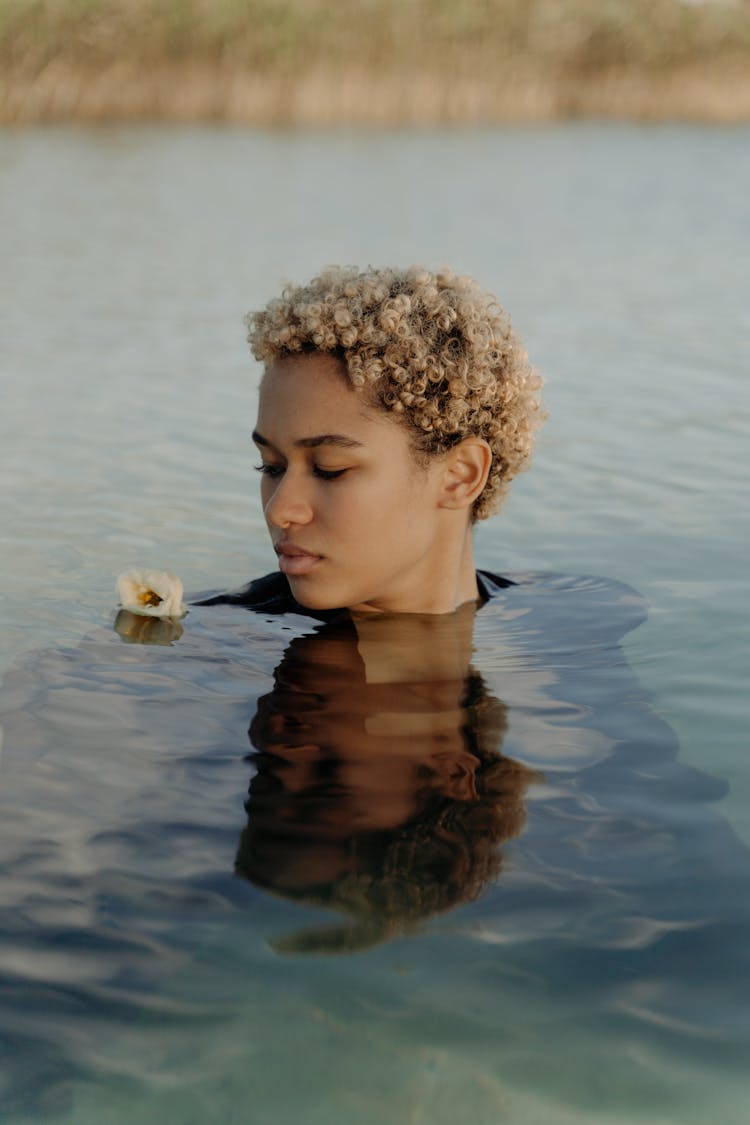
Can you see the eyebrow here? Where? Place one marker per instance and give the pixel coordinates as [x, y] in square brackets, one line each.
[340, 440]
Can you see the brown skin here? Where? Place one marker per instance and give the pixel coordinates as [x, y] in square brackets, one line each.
[388, 533]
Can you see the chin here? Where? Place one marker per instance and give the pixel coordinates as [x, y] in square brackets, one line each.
[311, 599]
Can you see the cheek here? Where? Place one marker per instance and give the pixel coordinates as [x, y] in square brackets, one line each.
[374, 511]
[389, 514]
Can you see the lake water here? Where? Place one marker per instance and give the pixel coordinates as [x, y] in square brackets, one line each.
[602, 972]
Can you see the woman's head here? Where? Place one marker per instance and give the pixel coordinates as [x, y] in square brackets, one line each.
[431, 349]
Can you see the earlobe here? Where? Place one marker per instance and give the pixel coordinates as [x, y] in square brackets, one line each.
[467, 467]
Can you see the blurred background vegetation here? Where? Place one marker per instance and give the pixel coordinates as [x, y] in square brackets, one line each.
[360, 60]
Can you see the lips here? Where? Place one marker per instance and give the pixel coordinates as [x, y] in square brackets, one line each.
[295, 560]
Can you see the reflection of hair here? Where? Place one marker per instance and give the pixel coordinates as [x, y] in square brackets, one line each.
[445, 854]
[432, 348]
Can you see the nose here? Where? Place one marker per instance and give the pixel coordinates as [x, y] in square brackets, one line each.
[285, 502]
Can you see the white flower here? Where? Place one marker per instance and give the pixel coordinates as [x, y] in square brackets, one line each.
[151, 593]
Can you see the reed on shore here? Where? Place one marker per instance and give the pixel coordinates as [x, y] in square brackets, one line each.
[373, 61]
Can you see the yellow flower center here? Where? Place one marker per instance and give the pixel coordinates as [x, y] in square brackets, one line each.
[149, 597]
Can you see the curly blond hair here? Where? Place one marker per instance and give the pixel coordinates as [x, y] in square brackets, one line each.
[431, 348]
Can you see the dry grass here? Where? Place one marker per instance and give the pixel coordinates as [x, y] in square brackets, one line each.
[373, 61]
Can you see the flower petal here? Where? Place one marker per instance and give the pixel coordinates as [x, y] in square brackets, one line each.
[151, 593]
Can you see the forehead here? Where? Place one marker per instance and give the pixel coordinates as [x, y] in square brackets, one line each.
[306, 394]
[307, 369]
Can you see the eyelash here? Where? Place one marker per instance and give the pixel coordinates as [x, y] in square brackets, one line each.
[274, 471]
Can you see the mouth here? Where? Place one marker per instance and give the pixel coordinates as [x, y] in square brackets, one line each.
[294, 560]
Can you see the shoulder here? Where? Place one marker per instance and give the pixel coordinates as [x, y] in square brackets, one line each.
[568, 604]
[490, 584]
[270, 594]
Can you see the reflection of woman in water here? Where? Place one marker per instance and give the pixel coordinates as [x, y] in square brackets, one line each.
[383, 796]
[395, 408]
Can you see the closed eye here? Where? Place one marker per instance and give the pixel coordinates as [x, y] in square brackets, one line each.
[270, 470]
[328, 474]
[277, 470]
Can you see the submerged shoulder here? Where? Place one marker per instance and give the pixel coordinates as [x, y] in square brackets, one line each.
[564, 602]
[269, 594]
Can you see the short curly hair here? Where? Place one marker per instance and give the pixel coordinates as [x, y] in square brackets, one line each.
[431, 348]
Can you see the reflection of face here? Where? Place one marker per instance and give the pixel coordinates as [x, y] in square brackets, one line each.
[349, 756]
[386, 796]
[355, 521]
[380, 790]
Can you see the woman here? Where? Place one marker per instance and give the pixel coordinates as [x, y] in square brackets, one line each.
[395, 408]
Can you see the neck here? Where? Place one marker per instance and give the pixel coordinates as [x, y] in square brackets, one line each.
[466, 576]
[456, 581]
[446, 580]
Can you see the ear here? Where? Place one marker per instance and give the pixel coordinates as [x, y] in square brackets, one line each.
[457, 773]
[466, 468]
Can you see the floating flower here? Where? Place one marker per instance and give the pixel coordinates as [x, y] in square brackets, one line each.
[151, 593]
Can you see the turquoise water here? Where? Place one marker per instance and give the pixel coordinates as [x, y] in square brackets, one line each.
[601, 975]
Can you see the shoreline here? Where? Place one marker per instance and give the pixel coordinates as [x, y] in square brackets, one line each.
[205, 91]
